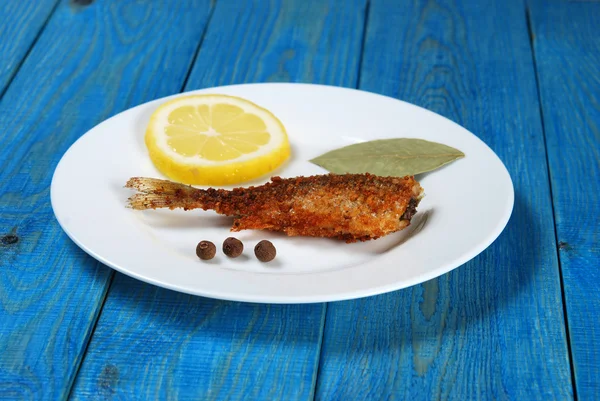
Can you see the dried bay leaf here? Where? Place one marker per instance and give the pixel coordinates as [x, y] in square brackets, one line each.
[389, 157]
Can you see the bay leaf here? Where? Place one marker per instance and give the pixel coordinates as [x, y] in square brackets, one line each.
[388, 157]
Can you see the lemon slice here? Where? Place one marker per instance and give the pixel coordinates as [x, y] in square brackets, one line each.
[215, 140]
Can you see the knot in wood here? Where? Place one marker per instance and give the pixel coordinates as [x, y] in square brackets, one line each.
[9, 239]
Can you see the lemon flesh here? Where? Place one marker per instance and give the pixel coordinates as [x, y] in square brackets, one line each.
[215, 140]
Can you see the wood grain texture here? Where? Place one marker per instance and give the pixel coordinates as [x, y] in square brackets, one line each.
[281, 41]
[21, 22]
[165, 345]
[89, 63]
[493, 328]
[567, 53]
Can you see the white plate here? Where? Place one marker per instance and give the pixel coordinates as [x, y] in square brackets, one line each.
[467, 204]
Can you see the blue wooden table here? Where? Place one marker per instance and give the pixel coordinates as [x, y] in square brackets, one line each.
[519, 322]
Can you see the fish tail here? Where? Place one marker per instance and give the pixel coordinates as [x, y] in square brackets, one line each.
[154, 194]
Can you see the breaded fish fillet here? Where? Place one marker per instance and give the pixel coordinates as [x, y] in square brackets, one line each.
[351, 207]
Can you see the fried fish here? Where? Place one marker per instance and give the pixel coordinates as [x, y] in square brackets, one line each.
[350, 207]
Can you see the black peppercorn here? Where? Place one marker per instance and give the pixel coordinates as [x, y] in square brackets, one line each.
[265, 251]
[233, 247]
[206, 250]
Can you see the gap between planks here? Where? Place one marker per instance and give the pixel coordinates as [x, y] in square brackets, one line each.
[549, 172]
[31, 46]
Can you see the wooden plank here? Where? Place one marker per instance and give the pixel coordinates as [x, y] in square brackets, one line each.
[493, 328]
[164, 344]
[107, 60]
[567, 53]
[21, 24]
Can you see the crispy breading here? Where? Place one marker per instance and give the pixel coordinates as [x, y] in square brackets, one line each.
[352, 207]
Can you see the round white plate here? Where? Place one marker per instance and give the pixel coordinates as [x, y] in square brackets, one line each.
[467, 204]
